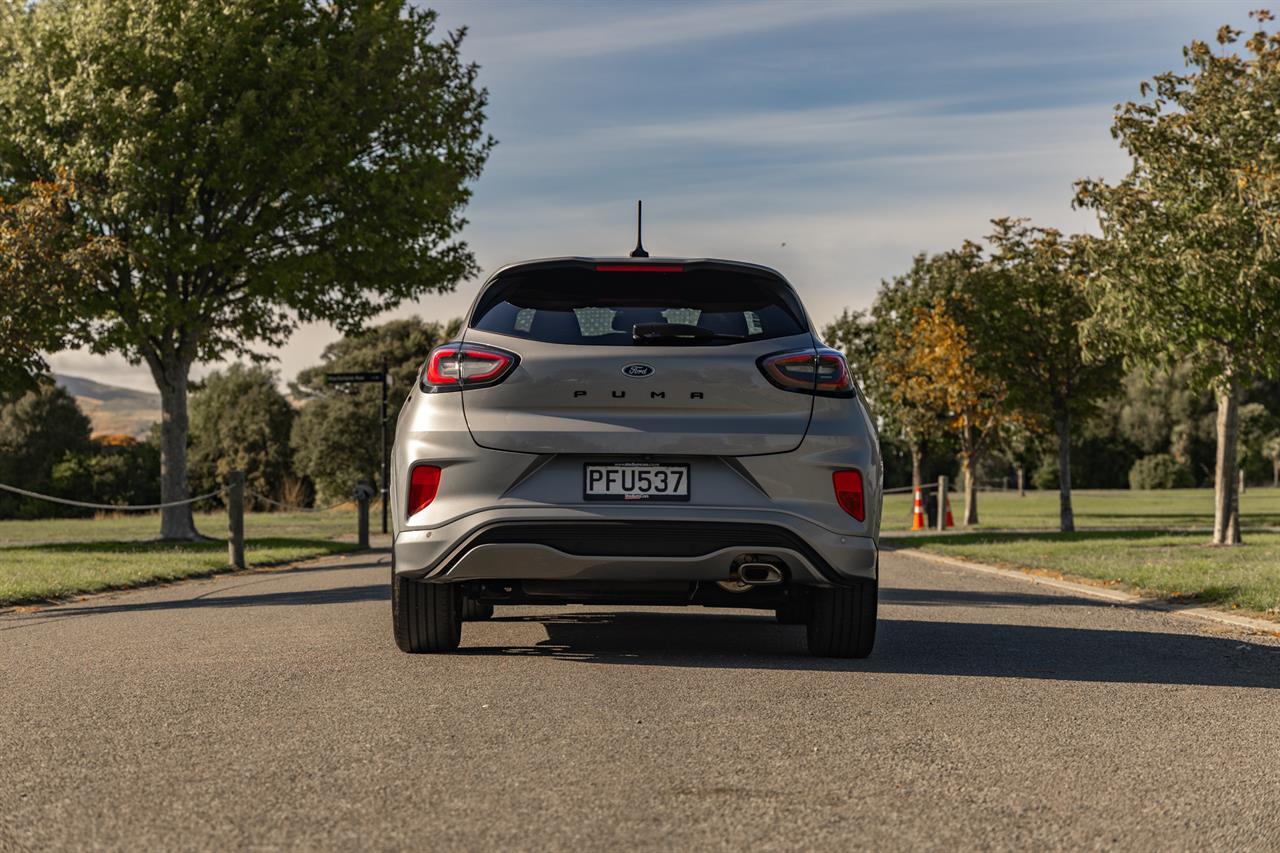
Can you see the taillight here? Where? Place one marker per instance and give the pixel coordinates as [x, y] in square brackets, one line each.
[424, 482]
[452, 367]
[823, 372]
[848, 485]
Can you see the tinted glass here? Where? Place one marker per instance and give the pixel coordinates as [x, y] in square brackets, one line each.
[582, 306]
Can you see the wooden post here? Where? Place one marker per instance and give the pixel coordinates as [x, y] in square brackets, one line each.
[1241, 480]
[386, 451]
[1022, 484]
[942, 502]
[362, 509]
[235, 519]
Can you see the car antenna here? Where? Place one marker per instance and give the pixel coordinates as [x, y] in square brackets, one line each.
[638, 251]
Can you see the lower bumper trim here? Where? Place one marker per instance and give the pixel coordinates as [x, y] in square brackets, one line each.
[626, 550]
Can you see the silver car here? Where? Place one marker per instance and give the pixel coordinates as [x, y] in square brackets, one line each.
[636, 432]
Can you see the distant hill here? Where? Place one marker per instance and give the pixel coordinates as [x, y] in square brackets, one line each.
[113, 409]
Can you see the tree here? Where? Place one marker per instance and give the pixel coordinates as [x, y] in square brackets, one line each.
[337, 437]
[41, 262]
[1271, 450]
[939, 373]
[37, 429]
[241, 422]
[1189, 266]
[1256, 426]
[117, 469]
[853, 333]
[893, 315]
[1031, 311]
[258, 166]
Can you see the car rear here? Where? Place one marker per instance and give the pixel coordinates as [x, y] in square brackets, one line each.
[636, 431]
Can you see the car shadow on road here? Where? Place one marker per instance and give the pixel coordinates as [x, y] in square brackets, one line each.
[904, 646]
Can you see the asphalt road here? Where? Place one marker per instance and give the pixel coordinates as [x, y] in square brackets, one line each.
[272, 710]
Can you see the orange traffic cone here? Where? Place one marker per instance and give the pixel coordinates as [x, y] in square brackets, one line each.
[950, 521]
[917, 514]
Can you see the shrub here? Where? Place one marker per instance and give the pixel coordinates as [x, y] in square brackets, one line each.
[117, 470]
[1159, 471]
[1046, 473]
[241, 422]
[37, 429]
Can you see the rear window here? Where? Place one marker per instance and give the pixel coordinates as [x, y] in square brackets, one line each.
[584, 306]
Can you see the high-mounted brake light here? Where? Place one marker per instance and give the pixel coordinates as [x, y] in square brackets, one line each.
[823, 372]
[452, 367]
[638, 268]
[848, 486]
[424, 483]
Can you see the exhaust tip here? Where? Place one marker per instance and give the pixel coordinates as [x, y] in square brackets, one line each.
[759, 574]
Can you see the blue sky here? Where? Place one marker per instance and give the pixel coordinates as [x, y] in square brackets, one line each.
[829, 140]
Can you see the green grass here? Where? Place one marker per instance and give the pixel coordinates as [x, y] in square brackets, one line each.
[1172, 509]
[141, 527]
[39, 573]
[1172, 565]
[46, 559]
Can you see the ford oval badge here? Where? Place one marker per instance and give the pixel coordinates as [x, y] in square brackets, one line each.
[637, 370]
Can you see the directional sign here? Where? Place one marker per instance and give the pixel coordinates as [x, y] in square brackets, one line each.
[381, 379]
[348, 378]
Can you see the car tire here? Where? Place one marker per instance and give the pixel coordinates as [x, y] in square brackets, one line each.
[427, 617]
[842, 620]
[475, 611]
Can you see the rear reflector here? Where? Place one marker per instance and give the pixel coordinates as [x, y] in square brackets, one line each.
[638, 268]
[424, 482]
[848, 485]
[452, 367]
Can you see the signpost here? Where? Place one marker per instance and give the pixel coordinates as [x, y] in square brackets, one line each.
[359, 378]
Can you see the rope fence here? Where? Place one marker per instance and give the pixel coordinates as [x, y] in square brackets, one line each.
[110, 507]
[952, 486]
[295, 507]
[234, 493]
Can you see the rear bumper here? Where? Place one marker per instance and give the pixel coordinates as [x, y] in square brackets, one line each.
[613, 544]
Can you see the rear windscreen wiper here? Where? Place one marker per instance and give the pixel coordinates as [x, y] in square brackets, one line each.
[652, 333]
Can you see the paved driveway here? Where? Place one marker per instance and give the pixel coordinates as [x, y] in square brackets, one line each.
[271, 710]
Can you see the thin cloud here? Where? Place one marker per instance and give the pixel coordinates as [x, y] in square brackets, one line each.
[659, 25]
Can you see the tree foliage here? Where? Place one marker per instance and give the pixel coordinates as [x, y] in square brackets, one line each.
[241, 422]
[259, 165]
[1032, 309]
[930, 281]
[1271, 452]
[1189, 263]
[42, 262]
[1159, 471]
[1029, 313]
[939, 372]
[37, 429]
[116, 469]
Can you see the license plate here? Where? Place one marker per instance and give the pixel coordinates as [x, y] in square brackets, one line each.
[638, 481]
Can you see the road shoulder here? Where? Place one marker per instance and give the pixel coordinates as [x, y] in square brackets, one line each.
[1084, 586]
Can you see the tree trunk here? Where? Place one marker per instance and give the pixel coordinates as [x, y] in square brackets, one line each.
[969, 464]
[171, 380]
[969, 467]
[1275, 473]
[1226, 498]
[1066, 517]
[917, 462]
